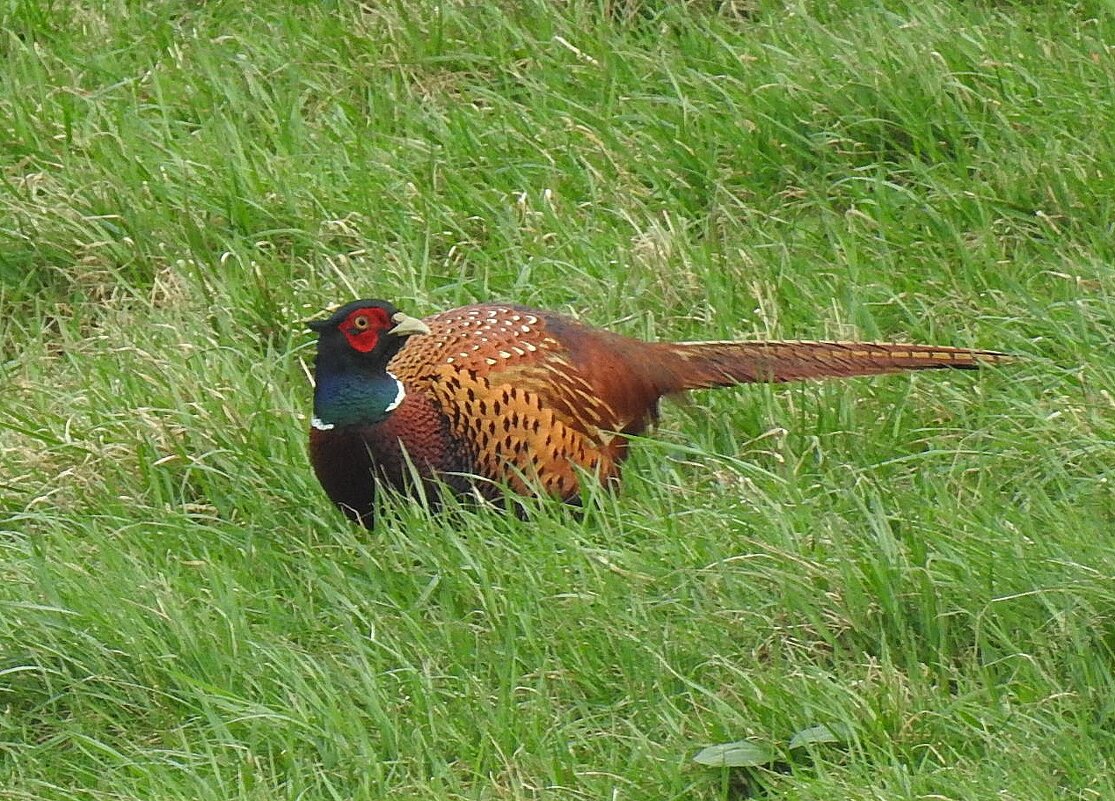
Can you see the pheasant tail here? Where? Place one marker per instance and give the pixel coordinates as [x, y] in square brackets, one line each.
[703, 365]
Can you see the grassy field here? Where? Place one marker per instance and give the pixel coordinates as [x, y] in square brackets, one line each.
[924, 564]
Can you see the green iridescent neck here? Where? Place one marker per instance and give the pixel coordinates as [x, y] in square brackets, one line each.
[351, 399]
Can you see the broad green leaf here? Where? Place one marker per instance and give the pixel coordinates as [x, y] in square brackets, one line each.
[741, 754]
[820, 734]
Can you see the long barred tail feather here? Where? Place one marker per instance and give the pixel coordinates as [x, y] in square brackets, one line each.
[702, 365]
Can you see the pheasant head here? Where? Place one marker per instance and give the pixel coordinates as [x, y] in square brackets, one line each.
[353, 384]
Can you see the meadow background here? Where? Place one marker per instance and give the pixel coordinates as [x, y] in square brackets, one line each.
[922, 563]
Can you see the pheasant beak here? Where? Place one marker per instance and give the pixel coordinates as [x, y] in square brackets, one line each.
[405, 325]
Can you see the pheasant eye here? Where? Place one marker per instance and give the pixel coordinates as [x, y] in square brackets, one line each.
[360, 322]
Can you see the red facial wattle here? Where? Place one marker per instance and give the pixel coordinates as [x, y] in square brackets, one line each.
[363, 327]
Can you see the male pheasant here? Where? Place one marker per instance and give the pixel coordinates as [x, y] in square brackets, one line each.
[497, 395]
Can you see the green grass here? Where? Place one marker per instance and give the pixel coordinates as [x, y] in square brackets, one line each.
[926, 560]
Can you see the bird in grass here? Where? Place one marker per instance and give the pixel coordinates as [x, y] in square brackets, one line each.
[494, 397]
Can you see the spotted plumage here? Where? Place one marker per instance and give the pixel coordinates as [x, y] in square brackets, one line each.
[490, 396]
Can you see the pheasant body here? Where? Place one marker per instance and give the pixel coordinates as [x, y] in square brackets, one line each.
[486, 396]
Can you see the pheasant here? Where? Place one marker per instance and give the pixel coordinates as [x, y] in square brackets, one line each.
[493, 396]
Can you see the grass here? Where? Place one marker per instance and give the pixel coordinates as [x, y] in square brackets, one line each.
[924, 562]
